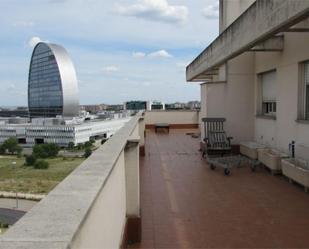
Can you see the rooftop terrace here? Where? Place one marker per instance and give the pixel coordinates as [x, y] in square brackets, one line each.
[185, 204]
[169, 198]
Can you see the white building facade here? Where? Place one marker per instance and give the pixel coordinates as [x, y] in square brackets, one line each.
[256, 73]
[29, 134]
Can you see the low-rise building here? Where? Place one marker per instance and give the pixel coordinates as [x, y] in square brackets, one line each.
[59, 131]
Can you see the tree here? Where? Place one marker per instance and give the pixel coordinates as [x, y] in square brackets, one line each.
[39, 152]
[30, 160]
[88, 144]
[71, 146]
[2, 149]
[52, 149]
[11, 145]
[45, 150]
[80, 146]
[88, 152]
[19, 150]
[41, 164]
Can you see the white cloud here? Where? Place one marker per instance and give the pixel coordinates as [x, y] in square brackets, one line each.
[57, 1]
[157, 54]
[23, 24]
[11, 87]
[160, 54]
[155, 10]
[211, 11]
[138, 55]
[147, 83]
[110, 69]
[34, 41]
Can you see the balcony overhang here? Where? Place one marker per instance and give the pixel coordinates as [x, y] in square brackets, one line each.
[273, 44]
[259, 23]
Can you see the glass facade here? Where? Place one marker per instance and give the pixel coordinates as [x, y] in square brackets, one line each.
[45, 95]
[136, 105]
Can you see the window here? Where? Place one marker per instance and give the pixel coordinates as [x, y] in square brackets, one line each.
[268, 88]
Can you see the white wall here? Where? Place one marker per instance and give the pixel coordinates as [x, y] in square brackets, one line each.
[101, 228]
[203, 111]
[233, 9]
[233, 99]
[281, 131]
[237, 99]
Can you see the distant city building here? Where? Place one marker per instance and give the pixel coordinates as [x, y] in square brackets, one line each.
[116, 108]
[175, 106]
[54, 105]
[191, 105]
[52, 83]
[14, 112]
[194, 105]
[136, 105]
[93, 109]
[58, 130]
[157, 105]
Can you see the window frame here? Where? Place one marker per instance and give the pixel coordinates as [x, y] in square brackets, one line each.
[303, 113]
[262, 105]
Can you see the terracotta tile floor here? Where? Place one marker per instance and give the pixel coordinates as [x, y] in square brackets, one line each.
[186, 205]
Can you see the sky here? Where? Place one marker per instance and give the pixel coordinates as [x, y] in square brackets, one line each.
[122, 49]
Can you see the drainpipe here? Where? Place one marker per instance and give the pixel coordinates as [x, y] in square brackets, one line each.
[292, 148]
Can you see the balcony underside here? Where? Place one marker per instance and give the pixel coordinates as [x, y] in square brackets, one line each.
[185, 204]
[259, 23]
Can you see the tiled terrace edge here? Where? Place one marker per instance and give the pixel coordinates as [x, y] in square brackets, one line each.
[89, 208]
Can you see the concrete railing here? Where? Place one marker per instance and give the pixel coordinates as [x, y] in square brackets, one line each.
[176, 119]
[96, 206]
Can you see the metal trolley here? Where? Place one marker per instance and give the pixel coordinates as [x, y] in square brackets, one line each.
[229, 162]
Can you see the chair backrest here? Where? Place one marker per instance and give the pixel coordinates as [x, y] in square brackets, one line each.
[213, 125]
[218, 139]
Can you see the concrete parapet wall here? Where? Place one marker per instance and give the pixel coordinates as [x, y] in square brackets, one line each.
[176, 119]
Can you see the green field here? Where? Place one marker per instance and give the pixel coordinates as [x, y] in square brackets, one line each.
[16, 177]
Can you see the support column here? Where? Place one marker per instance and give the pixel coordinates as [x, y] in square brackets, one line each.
[142, 134]
[131, 154]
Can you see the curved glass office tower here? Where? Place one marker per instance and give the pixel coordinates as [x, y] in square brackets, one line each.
[52, 83]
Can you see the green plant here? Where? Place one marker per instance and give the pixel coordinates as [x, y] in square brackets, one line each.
[41, 164]
[30, 160]
[4, 225]
[11, 145]
[39, 152]
[71, 145]
[88, 144]
[2, 149]
[45, 150]
[80, 146]
[52, 149]
[88, 152]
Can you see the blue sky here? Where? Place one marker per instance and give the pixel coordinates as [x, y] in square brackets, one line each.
[122, 49]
